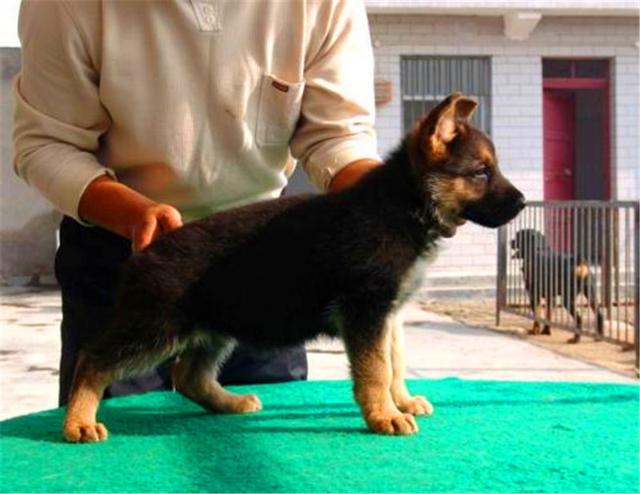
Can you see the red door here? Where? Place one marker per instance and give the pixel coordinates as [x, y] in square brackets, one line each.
[559, 159]
[559, 136]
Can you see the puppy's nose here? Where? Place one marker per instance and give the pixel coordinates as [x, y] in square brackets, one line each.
[520, 202]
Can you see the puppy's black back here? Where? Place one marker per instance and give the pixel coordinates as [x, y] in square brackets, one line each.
[277, 272]
[287, 283]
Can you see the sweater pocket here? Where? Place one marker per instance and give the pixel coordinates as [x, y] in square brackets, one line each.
[278, 110]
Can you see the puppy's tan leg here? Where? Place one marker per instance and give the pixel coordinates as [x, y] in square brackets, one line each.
[94, 372]
[195, 376]
[415, 405]
[371, 369]
[80, 419]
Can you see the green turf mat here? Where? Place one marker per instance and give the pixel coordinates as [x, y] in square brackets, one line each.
[485, 436]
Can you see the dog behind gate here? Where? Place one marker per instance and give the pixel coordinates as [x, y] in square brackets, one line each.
[283, 271]
[550, 275]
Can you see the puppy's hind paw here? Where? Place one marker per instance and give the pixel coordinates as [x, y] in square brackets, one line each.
[416, 405]
[75, 432]
[392, 424]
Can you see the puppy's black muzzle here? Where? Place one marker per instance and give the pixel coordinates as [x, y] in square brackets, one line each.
[500, 204]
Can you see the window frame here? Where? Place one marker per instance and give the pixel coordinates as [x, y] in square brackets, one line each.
[485, 97]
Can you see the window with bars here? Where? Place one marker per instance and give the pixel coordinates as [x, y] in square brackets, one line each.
[575, 69]
[428, 80]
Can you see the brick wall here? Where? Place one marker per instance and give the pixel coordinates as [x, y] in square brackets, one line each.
[516, 100]
[626, 127]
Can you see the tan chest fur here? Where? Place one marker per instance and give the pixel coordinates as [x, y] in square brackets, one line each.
[412, 280]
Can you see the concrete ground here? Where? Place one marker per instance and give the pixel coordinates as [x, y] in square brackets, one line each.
[481, 313]
[437, 346]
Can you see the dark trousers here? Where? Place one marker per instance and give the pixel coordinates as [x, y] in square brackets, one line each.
[86, 268]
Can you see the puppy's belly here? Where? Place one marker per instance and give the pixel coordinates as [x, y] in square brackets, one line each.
[272, 333]
[268, 326]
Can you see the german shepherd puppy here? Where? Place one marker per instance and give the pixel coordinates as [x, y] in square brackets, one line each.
[549, 274]
[284, 271]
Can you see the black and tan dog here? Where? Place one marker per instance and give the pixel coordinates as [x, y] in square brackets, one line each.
[550, 275]
[284, 271]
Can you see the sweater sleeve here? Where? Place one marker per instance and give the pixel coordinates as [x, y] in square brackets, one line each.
[338, 109]
[58, 118]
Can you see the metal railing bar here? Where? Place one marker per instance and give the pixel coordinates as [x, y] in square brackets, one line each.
[636, 282]
[626, 273]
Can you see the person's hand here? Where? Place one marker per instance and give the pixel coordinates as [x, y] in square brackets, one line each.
[152, 222]
[124, 211]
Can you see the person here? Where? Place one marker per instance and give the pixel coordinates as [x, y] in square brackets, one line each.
[134, 117]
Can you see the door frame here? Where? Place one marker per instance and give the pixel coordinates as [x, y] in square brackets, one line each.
[571, 83]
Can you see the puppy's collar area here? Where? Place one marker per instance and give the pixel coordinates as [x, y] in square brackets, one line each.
[441, 221]
[431, 221]
[446, 229]
[421, 216]
[426, 212]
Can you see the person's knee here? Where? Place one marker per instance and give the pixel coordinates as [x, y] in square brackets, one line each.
[256, 366]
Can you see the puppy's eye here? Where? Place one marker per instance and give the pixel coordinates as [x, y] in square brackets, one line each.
[481, 173]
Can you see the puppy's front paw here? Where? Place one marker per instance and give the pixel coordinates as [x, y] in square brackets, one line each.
[393, 423]
[242, 404]
[76, 432]
[249, 404]
[416, 405]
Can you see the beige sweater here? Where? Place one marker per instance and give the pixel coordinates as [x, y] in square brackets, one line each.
[203, 104]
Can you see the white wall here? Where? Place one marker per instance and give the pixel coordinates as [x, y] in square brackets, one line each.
[27, 221]
[625, 129]
[516, 100]
[9, 23]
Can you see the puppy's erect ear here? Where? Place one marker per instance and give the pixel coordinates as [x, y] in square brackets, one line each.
[438, 129]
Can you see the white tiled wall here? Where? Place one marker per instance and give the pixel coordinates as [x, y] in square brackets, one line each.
[626, 129]
[516, 100]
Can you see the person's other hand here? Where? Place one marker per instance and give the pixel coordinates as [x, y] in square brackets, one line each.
[352, 173]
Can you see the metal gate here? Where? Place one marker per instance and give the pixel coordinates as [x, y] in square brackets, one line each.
[573, 265]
